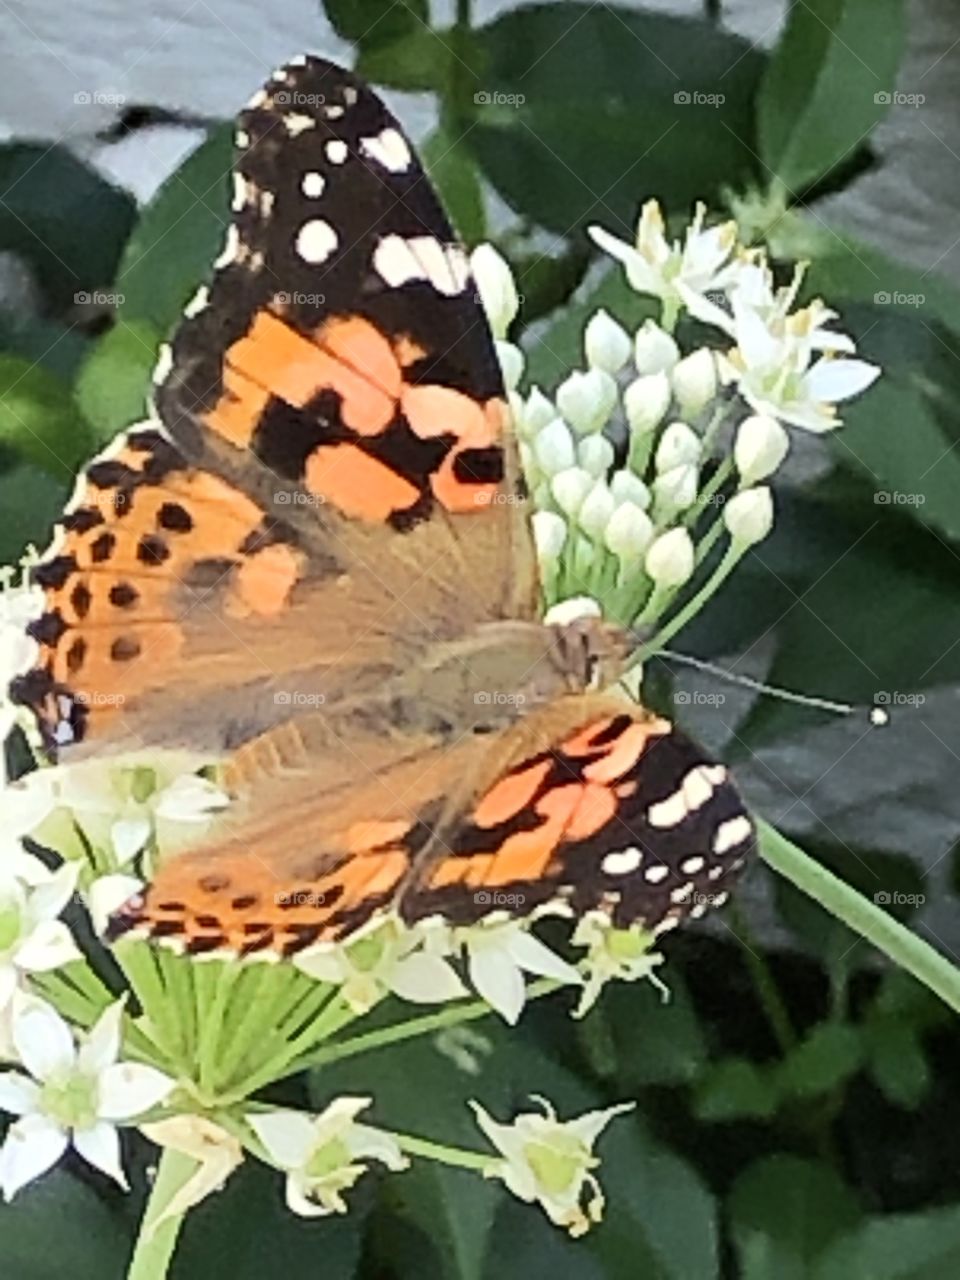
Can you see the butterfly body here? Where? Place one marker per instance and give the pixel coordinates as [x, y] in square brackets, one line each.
[314, 568]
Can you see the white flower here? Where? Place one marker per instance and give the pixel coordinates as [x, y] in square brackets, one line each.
[549, 535]
[586, 399]
[32, 938]
[629, 532]
[646, 401]
[626, 486]
[695, 381]
[670, 558]
[675, 490]
[597, 508]
[18, 652]
[749, 515]
[569, 610]
[596, 454]
[772, 371]
[500, 953]
[535, 413]
[677, 274]
[606, 343]
[760, 446]
[551, 1161]
[623, 955]
[498, 292]
[679, 445]
[553, 447]
[569, 488]
[390, 958]
[106, 894]
[511, 363]
[76, 1095]
[324, 1155]
[654, 350]
[216, 1152]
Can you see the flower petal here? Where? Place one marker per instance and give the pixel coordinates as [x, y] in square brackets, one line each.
[536, 957]
[129, 1089]
[49, 945]
[32, 1146]
[495, 974]
[835, 380]
[128, 836]
[106, 894]
[100, 1146]
[43, 1040]
[101, 1047]
[18, 1093]
[425, 979]
[289, 1136]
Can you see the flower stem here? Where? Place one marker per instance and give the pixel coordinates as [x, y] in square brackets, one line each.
[454, 1156]
[693, 606]
[156, 1241]
[888, 935]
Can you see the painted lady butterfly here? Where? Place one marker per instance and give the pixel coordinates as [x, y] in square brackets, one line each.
[315, 568]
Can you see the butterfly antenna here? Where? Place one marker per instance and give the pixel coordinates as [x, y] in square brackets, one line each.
[774, 691]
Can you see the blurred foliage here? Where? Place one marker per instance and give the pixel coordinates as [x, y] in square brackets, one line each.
[796, 1100]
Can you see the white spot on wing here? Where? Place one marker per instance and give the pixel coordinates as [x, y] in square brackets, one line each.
[316, 240]
[164, 364]
[197, 303]
[312, 184]
[668, 813]
[231, 248]
[690, 866]
[656, 874]
[389, 150]
[336, 150]
[239, 192]
[398, 261]
[296, 123]
[622, 862]
[732, 833]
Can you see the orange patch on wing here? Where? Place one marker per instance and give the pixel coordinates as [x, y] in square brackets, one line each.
[357, 484]
[462, 870]
[619, 756]
[357, 343]
[263, 582]
[363, 837]
[582, 742]
[237, 412]
[510, 795]
[433, 410]
[597, 807]
[408, 352]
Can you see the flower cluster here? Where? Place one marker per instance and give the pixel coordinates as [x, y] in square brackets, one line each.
[639, 488]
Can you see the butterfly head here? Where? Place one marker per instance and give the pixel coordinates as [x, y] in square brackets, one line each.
[592, 653]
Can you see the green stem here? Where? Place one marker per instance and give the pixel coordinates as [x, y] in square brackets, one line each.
[888, 935]
[768, 992]
[693, 606]
[454, 1156]
[155, 1243]
[411, 1027]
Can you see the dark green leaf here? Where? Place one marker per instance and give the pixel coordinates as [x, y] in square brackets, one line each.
[418, 62]
[30, 501]
[177, 236]
[585, 110]
[59, 1226]
[454, 173]
[828, 1056]
[39, 418]
[735, 1089]
[113, 383]
[66, 221]
[906, 1246]
[784, 1212]
[376, 22]
[829, 81]
[896, 1061]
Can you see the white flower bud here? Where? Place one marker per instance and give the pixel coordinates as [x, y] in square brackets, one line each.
[570, 487]
[749, 515]
[511, 363]
[537, 411]
[567, 611]
[654, 350]
[595, 454]
[549, 534]
[670, 558]
[675, 490]
[629, 531]
[553, 447]
[679, 445]
[646, 402]
[626, 486]
[606, 344]
[761, 445]
[695, 382]
[597, 508]
[587, 399]
[498, 293]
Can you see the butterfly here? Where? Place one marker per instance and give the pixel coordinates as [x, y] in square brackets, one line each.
[314, 566]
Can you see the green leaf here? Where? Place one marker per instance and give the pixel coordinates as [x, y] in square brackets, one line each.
[418, 62]
[655, 1041]
[376, 22]
[784, 1212]
[178, 236]
[114, 382]
[66, 220]
[30, 501]
[904, 1246]
[39, 419]
[585, 110]
[829, 81]
[896, 1062]
[824, 1060]
[59, 1226]
[736, 1089]
[453, 171]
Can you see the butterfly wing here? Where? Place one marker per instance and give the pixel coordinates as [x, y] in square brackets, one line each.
[332, 484]
[588, 805]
